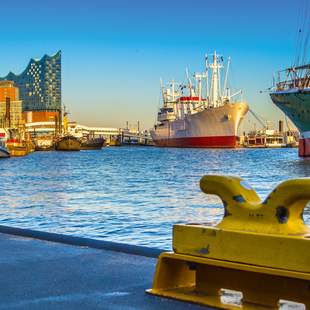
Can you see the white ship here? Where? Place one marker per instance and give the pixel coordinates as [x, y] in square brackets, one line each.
[194, 120]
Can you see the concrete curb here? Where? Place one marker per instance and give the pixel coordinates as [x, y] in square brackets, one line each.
[80, 241]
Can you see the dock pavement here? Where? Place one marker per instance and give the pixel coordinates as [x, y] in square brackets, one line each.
[40, 274]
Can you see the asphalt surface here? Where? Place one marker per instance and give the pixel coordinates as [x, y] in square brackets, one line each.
[36, 274]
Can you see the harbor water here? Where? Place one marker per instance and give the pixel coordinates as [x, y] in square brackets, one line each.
[131, 194]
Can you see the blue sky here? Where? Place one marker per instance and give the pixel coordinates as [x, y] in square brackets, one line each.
[114, 52]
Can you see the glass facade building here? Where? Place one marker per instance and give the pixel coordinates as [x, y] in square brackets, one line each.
[40, 84]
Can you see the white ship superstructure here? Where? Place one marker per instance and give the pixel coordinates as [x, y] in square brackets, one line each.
[205, 116]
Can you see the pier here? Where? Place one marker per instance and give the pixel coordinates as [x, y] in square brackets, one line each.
[40, 274]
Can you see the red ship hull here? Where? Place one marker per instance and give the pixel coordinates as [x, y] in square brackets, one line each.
[304, 147]
[202, 142]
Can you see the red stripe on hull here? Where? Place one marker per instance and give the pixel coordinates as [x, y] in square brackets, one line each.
[203, 142]
[304, 147]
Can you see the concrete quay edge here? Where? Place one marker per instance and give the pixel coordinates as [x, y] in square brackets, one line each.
[82, 241]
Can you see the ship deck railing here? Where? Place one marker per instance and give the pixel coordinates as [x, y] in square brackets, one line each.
[293, 78]
[300, 83]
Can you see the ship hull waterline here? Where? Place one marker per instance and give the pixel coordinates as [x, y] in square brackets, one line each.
[211, 128]
[93, 144]
[200, 142]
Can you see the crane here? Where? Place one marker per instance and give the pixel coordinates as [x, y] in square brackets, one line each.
[259, 119]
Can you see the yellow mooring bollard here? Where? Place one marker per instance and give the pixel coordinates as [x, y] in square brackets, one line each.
[261, 249]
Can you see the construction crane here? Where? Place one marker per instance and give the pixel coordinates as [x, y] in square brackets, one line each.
[259, 119]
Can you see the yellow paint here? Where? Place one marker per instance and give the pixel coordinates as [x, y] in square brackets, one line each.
[199, 280]
[65, 121]
[254, 216]
[17, 149]
[259, 248]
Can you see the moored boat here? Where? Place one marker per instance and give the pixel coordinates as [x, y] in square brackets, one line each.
[194, 120]
[17, 147]
[292, 96]
[4, 152]
[44, 144]
[291, 92]
[92, 143]
[68, 143]
[115, 141]
[266, 138]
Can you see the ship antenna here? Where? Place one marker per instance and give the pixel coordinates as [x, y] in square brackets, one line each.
[162, 90]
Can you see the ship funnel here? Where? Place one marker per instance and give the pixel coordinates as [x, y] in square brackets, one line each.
[280, 126]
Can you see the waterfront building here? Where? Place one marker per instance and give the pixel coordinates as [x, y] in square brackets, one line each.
[10, 105]
[123, 135]
[8, 90]
[78, 130]
[47, 128]
[40, 87]
[38, 129]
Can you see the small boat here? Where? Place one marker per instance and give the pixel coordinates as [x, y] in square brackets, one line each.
[4, 153]
[115, 140]
[44, 144]
[266, 138]
[17, 147]
[92, 143]
[68, 143]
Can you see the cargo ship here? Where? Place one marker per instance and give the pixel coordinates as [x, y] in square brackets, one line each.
[205, 117]
[292, 96]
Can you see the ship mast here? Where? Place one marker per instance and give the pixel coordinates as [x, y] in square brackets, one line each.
[172, 90]
[163, 92]
[215, 95]
[191, 92]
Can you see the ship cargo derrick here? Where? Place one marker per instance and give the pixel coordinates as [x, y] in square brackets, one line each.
[209, 121]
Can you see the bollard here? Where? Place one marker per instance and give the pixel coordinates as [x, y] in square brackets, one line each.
[261, 249]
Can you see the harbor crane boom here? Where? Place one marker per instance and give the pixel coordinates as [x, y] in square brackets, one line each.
[265, 126]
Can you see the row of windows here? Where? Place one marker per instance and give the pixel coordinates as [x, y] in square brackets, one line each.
[40, 85]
